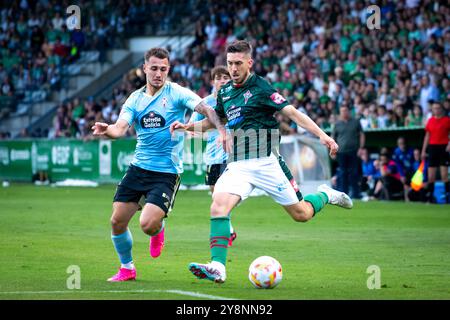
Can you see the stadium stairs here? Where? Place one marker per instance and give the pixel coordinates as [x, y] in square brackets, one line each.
[88, 78]
[80, 79]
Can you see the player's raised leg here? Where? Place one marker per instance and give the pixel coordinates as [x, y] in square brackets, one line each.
[222, 204]
[152, 223]
[312, 204]
[335, 197]
[123, 240]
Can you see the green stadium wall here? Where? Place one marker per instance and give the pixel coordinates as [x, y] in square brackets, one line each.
[106, 161]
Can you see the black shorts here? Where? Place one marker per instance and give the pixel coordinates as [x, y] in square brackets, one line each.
[213, 173]
[437, 155]
[158, 188]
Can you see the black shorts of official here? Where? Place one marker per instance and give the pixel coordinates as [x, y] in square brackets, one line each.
[437, 155]
[213, 173]
[158, 188]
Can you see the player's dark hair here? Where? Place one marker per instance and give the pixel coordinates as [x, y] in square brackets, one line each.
[219, 70]
[159, 53]
[240, 46]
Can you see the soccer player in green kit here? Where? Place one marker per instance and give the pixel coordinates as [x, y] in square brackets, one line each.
[247, 104]
[215, 155]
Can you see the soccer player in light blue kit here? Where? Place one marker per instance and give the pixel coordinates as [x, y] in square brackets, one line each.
[216, 157]
[157, 163]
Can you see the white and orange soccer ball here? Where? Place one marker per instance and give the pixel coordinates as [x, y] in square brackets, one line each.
[265, 272]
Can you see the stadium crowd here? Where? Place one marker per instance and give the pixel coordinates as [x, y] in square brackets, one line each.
[319, 55]
[37, 41]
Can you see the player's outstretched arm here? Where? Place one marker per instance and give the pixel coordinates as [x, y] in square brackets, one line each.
[224, 137]
[211, 115]
[113, 131]
[306, 122]
[197, 126]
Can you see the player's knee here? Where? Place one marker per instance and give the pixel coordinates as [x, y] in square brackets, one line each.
[300, 215]
[300, 218]
[117, 224]
[218, 209]
[151, 227]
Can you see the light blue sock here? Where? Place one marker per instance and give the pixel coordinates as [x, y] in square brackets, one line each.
[123, 244]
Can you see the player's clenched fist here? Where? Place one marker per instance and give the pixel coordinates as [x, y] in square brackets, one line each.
[99, 128]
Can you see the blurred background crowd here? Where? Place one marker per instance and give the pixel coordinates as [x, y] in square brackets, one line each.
[318, 54]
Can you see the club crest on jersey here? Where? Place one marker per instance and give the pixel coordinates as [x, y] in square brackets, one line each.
[152, 120]
[247, 96]
[164, 102]
[277, 98]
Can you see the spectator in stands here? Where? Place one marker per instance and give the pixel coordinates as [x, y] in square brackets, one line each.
[349, 136]
[389, 186]
[37, 39]
[24, 133]
[400, 115]
[58, 21]
[3, 73]
[60, 49]
[369, 173]
[382, 117]
[414, 117]
[428, 92]
[7, 87]
[404, 158]
[78, 38]
[289, 39]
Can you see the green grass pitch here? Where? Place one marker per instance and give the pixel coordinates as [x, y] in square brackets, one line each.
[44, 230]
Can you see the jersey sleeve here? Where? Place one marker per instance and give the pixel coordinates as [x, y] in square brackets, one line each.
[219, 106]
[196, 117]
[272, 99]
[187, 98]
[128, 112]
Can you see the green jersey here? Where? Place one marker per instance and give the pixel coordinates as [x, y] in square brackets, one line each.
[249, 109]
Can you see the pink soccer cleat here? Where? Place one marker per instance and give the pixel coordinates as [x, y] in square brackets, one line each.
[157, 244]
[124, 274]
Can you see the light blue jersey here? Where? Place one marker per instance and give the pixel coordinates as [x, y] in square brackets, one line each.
[214, 153]
[156, 149]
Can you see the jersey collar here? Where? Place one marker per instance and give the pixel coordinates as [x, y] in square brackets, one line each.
[157, 93]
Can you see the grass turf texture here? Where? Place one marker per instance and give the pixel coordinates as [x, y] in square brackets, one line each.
[44, 230]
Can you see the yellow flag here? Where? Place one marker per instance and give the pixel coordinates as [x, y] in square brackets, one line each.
[417, 179]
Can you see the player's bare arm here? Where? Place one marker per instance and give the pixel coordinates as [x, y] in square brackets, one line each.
[198, 126]
[210, 114]
[212, 121]
[113, 131]
[305, 122]
[426, 140]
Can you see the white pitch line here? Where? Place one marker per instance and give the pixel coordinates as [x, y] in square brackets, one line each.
[180, 292]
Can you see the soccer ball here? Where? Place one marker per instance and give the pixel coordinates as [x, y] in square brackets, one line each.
[265, 272]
